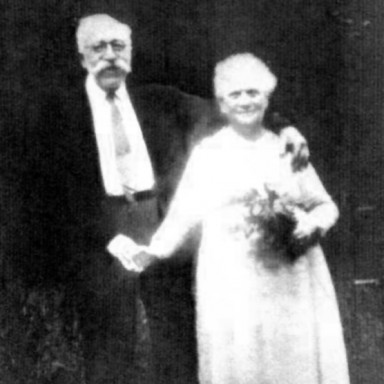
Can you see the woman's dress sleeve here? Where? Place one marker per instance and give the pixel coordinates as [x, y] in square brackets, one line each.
[316, 201]
[185, 210]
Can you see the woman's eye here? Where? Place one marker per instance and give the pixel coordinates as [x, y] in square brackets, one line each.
[253, 92]
[235, 95]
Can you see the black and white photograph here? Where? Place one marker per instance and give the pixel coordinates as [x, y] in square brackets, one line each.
[191, 192]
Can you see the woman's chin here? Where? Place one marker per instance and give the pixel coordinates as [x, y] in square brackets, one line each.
[247, 119]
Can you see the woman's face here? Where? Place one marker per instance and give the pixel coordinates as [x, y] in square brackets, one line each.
[244, 107]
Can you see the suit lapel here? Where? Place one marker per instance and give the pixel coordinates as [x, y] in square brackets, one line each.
[142, 110]
[82, 142]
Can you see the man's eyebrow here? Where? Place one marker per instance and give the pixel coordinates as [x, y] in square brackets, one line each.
[118, 41]
[105, 42]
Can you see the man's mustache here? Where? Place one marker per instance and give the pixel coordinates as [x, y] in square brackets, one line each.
[117, 65]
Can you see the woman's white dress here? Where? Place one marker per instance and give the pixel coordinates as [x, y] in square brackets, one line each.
[261, 318]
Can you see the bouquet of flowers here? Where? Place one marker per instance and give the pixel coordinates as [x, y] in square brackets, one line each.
[275, 217]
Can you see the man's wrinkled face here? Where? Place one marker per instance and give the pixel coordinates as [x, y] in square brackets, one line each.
[107, 55]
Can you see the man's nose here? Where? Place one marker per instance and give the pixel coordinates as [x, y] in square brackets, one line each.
[109, 53]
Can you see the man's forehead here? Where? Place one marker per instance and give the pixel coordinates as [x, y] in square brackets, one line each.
[101, 28]
[105, 33]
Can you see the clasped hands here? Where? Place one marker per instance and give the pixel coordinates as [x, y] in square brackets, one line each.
[133, 257]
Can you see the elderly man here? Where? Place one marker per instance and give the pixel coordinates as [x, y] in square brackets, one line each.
[107, 163]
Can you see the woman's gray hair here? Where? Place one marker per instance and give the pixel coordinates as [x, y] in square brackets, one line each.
[242, 71]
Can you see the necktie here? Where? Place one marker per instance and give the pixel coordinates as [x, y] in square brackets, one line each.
[119, 136]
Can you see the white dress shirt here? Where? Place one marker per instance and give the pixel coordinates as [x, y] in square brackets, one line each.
[134, 172]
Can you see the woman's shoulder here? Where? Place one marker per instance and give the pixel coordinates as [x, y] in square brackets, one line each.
[271, 137]
[211, 148]
[226, 137]
[268, 144]
[214, 139]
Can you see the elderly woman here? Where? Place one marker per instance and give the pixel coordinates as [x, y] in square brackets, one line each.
[266, 306]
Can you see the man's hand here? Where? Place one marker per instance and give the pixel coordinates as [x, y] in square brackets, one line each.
[143, 260]
[293, 143]
[124, 248]
[134, 257]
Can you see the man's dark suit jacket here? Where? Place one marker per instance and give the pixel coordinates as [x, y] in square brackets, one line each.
[65, 166]
[67, 195]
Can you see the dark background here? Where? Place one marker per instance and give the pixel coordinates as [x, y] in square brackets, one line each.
[328, 55]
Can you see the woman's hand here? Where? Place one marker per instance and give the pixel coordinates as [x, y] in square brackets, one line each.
[306, 228]
[293, 143]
